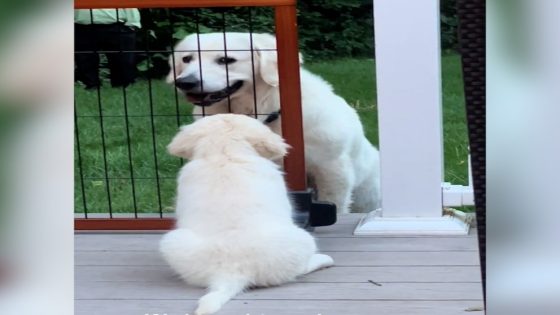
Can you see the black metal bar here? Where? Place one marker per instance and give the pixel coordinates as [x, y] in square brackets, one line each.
[250, 20]
[80, 166]
[178, 114]
[169, 51]
[104, 151]
[226, 56]
[154, 143]
[155, 115]
[127, 128]
[197, 22]
[173, 66]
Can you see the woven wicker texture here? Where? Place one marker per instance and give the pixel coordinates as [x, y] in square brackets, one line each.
[472, 30]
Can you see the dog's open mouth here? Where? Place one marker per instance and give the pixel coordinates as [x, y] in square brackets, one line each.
[207, 99]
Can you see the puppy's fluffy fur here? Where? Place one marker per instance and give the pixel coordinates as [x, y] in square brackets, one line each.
[234, 226]
[340, 161]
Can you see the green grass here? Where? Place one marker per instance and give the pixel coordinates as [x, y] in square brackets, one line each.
[352, 79]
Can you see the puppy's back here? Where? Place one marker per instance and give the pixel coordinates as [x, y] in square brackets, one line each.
[218, 193]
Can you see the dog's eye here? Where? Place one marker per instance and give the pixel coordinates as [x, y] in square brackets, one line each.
[187, 59]
[225, 60]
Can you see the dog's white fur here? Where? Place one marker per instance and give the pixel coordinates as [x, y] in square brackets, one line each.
[340, 161]
[234, 224]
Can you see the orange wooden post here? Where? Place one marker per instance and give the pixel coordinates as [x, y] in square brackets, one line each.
[124, 224]
[290, 95]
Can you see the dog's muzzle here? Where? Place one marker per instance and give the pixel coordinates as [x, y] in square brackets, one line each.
[205, 99]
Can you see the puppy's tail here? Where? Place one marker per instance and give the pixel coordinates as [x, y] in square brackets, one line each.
[221, 291]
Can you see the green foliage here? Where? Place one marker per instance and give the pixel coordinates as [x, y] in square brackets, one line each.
[328, 29]
[335, 28]
[449, 24]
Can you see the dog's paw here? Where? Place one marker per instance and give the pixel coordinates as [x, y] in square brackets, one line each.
[319, 261]
[327, 260]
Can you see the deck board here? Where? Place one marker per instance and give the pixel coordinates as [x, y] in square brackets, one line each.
[167, 289]
[334, 274]
[285, 307]
[123, 274]
[132, 242]
[442, 258]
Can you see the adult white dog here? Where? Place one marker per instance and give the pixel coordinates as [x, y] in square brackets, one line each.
[234, 225]
[340, 161]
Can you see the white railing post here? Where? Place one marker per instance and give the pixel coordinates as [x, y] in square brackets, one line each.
[408, 70]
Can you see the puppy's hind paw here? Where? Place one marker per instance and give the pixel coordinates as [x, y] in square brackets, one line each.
[319, 261]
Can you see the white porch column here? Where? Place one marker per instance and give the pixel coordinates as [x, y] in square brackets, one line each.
[408, 61]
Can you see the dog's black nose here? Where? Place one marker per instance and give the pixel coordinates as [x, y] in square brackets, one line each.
[187, 83]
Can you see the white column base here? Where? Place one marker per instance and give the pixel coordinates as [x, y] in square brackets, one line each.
[374, 224]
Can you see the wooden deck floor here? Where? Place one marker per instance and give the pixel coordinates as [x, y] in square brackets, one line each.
[122, 274]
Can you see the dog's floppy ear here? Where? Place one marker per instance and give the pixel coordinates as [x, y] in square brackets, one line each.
[184, 142]
[265, 45]
[269, 145]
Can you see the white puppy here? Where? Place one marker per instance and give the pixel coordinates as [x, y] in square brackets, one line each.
[340, 161]
[234, 224]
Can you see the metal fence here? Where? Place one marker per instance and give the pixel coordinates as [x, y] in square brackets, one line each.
[124, 178]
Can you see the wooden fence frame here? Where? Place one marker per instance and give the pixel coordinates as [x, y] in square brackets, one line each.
[290, 94]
